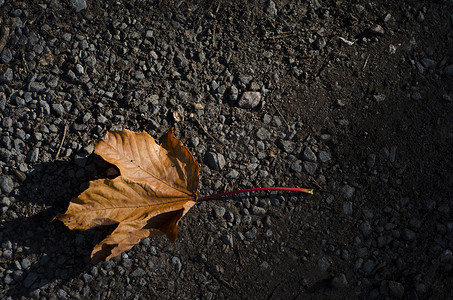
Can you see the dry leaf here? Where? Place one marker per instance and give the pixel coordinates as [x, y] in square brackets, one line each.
[156, 187]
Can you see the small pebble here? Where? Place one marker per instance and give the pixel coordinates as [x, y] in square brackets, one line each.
[309, 155]
[176, 261]
[324, 264]
[6, 184]
[347, 208]
[215, 161]
[250, 99]
[347, 191]
[271, 9]
[377, 30]
[219, 211]
[340, 281]
[396, 289]
[310, 167]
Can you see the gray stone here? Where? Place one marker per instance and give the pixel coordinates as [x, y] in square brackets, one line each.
[250, 99]
[36, 86]
[90, 61]
[296, 166]
[139, 272]
[79, 5]
[5, 201]
[214, 85]
[365, 228]
[324, 264]
[177, 263]
[53, 82]
[6, 76]
[5, 154]
[251, 234]
[259, 211]
[343, 122]
[340, 281]
[215, 161]
[181, 61]
[7, 254]
[368, 266]
[347, 191]
[416, 96]
[396, 289]
[408, 234]
[271, 9]
[415, 223]
[149, 34]
[89, 148]
[245, 80]
[234, 92]
[371, 160]
[86, 277]
[67, 36]
[420, 17]
[6, 184]
[377, 30]
[449, 70]
[287, 146]
[35, 294]
[324, 156]
[79, 69]
[309, 155]
[61, 294]
[382, 241]
[139, 75]
[320, 43]
[72, 76]
[362, 252]
[379, 98]
[228, 240]
[45, 107]
[310, 167]
[392, 154]
[330, 199]
[33, 155]
[58, 109]
[6, 56]
[264, 266]
[233, 174]
[201, 56]
[263, 134]
[219, 211]
[229, 216]
[347, 208]
[446, 256]
[428, 63]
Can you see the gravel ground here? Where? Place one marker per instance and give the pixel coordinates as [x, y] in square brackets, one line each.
[351, 98]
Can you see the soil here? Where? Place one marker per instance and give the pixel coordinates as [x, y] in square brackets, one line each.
[356, 102]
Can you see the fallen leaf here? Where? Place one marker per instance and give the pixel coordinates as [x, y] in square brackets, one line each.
[156, 187]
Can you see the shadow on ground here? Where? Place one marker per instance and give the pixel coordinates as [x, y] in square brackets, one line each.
[58, 254]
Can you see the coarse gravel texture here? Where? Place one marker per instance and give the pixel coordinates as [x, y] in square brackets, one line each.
[351, 98]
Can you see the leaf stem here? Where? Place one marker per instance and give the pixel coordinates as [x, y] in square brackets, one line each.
[309, 191]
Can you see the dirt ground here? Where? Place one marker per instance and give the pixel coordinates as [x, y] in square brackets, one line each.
[356, 102]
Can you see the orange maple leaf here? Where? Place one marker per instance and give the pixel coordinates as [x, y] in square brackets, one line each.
[156, 188]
